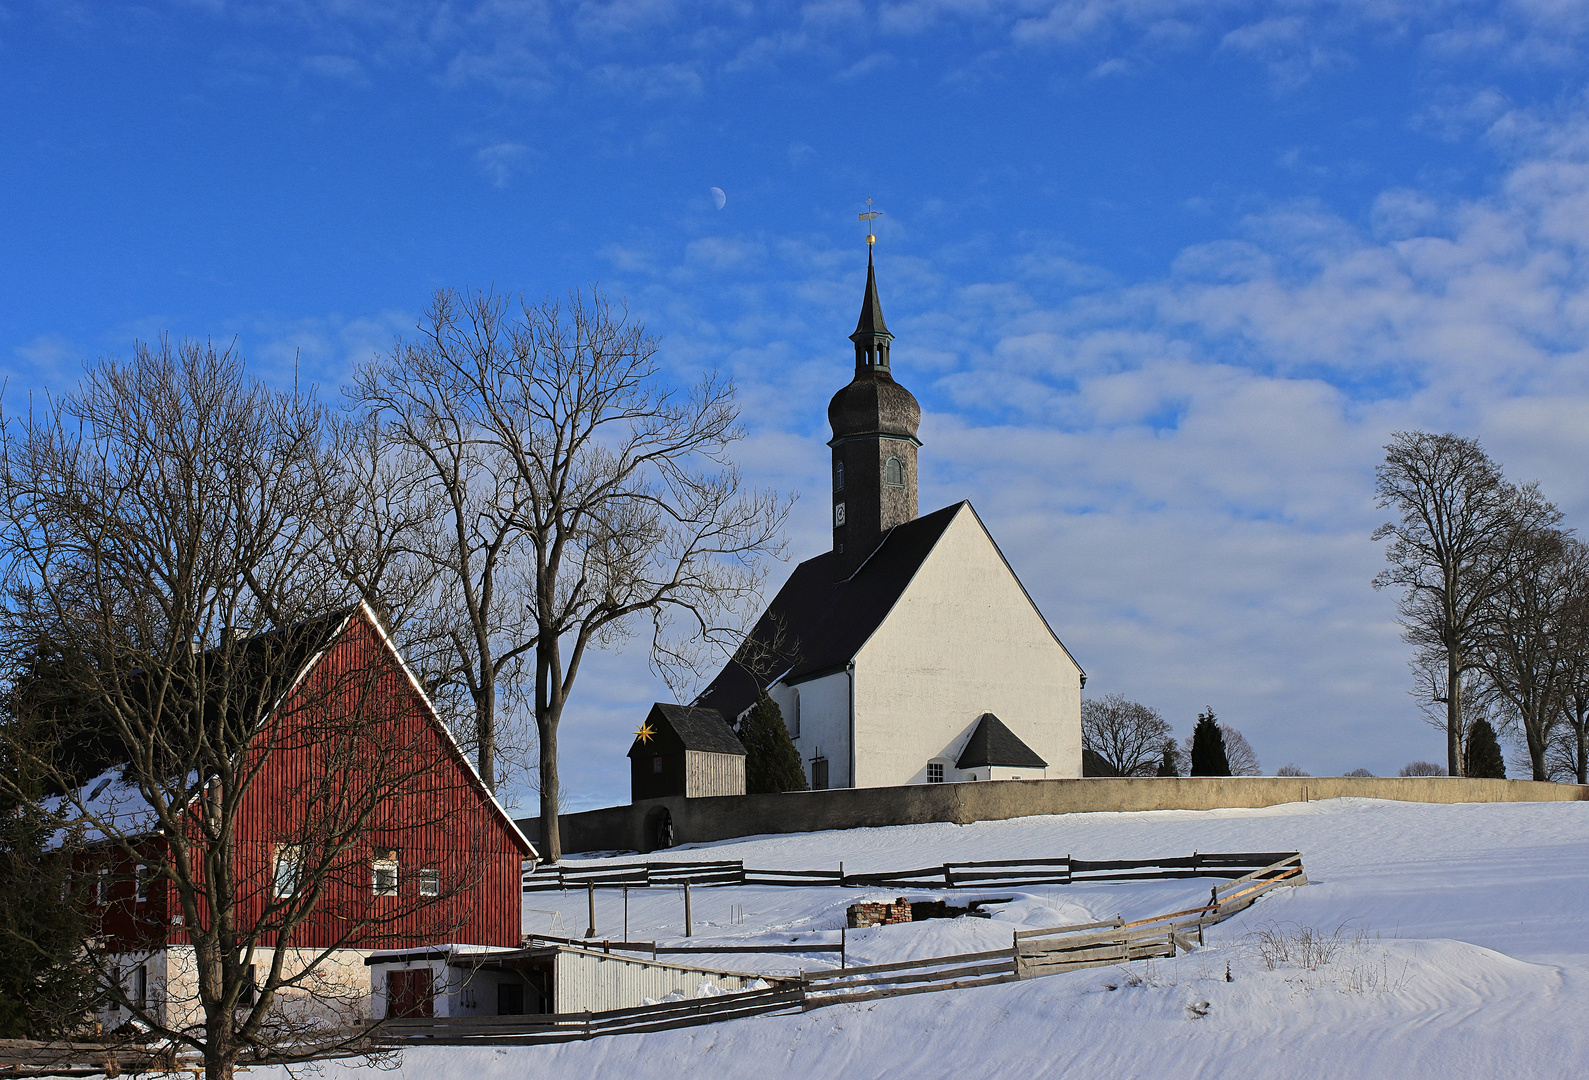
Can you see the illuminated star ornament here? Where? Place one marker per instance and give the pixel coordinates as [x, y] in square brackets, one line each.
[645, 732]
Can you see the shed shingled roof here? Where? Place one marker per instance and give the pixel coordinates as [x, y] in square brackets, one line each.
[699, 729]
[816, 624]
[994, 744]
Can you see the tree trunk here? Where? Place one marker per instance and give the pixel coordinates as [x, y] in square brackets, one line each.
[551, 835]
[1536, 748]
[1453, 713]
[486, 732]
[219, 1056]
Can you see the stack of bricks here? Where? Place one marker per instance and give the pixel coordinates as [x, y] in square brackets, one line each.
[879, 914]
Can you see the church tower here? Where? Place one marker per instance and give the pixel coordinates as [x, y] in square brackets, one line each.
[874, 421]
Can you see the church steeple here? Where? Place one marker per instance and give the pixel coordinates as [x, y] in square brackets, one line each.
[871, 335]
[874, 421]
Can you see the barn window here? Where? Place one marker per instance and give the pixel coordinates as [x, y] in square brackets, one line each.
[935, 772]
[430, 883]
[141, 877]
[289, 869]
[383, 874]
[140, 986]
[102, 888]
[656, 765]
[249, 993]
[893, 473]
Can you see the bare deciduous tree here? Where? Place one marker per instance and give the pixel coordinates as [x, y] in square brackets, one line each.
[1524, 636]
[584, 494]
[1447, 551]
[1239, 752]
[169, 570]
[1126, 734]
[1422, 768]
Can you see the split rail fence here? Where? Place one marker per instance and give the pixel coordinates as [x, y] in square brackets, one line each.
[995, 873]
[1033, 954]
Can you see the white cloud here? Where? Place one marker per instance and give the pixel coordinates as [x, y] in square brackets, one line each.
[500, 162]
[1182, 468]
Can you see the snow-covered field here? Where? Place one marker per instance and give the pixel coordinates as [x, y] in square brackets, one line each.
[1460, 949]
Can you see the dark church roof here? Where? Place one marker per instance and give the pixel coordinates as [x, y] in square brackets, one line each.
[994, 744]
[699, 729]
[816, 625]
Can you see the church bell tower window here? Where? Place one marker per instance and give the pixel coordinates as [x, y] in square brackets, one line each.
[894, 473]
[838, 476]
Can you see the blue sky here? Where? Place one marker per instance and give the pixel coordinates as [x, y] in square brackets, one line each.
[1163, 274]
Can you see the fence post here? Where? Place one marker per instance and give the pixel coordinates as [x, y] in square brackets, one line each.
[626, 913]
[844, 938]
[591, 887]
[687, 909]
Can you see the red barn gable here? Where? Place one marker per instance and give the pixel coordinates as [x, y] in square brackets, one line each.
[436, 858]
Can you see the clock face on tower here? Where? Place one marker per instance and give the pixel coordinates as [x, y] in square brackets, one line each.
[838, 515]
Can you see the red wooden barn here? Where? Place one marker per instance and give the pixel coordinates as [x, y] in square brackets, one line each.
[422, 854]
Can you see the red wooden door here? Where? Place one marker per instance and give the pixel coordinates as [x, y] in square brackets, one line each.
[408, 993]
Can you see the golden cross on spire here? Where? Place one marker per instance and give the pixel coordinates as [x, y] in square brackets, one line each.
[869, 217]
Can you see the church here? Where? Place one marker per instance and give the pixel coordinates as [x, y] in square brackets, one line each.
[908, 653]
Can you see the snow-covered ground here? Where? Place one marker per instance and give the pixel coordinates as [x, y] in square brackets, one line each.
[1457, 941]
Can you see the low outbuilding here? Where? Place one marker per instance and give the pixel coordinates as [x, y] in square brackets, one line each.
[681, 750]
[542, 978]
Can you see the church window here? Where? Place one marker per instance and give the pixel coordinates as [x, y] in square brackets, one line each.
[893, 473]
[838, 476]
[819, 774]
[793, 718]
[656, 765]
[935, 772]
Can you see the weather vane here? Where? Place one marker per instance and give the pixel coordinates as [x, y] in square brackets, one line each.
[869, 217]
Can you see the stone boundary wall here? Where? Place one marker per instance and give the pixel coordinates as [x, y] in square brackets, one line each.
[634, 827]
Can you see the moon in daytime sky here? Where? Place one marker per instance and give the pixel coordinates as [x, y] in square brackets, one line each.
[718, 197]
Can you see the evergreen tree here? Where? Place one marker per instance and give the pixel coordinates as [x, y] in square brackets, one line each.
[1169, 766]
[46, 990]
[771, 761]
[1208, 746]
[1482, 757]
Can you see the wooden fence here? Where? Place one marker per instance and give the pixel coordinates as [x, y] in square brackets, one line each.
[1033, 954]
[996, 873]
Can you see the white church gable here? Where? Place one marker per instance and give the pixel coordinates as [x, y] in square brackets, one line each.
[964, 639]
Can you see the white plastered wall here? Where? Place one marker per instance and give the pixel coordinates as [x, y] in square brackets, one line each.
[824, 723]
[962, 640]
[338, 992]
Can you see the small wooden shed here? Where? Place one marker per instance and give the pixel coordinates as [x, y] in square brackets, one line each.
[686, 751]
